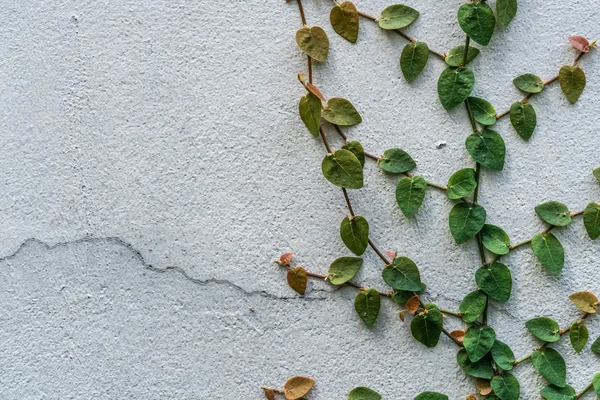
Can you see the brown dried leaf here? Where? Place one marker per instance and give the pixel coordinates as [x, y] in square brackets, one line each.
[298, 386]
[297, 279]
[471, 397]
[412, 305]
[483, 385]
[286, 258]
[270, 394]
[401, 314]
[585, 301]
[458, 335]
[315, 90]
[580, 43]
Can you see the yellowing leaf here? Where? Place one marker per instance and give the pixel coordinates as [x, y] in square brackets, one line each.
[585, 301]
[314, 42]
[298, 386]
[297, 279]
[344, 20]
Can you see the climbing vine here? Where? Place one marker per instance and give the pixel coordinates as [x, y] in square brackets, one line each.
[481, 354]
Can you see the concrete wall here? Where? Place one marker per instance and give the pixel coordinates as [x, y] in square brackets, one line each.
[153, 164]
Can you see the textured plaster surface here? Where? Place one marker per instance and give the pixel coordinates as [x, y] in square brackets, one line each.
[153, 165]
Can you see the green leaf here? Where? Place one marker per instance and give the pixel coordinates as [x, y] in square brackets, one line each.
[310, 113]
[477, 20]
[396, 161]
[596, 383]
[431, 396]
[343, 169]
[503, 355]
[410, 193]
[356, 149]
[478, 341]
[529, 83]
[466, 220]
[487, 148]
[552, 392]
[456, 55]
[344, 20]
[523, 119]
[402, 296]
[596, 173]
[343, 269]
[596, 346]
[591, 220]
[544, 328]
[454, 86]
[397, 16]
[472, 306]
[506, 10]
[402, 274]
[314, 42]
[341, 112]
[480, 369]
[554, 213]
[506, 387]
[426, 326]
[578, 334]
[363, 393]
[551, 365]
[572, 82]
[549, 251]
[495, 239]
[413, 59]
[355, 234]
[495, 280]
[367, 305]
[461, 184]
[483, 111]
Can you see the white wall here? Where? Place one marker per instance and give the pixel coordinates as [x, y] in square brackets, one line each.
[148, 136]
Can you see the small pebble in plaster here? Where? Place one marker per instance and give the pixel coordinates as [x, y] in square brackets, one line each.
[252, 308]
[440, 145]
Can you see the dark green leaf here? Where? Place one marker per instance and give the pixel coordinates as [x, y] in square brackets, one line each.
[413, 59]
[367, 305]
[341, 112]
[454, 86]
[572, 82]
[578, 334]
[343, 269]
[552, 392]
[396, 161]
[596, 346]
[355, 234]
[478, 21]
[397, 16]
[431, 396]
[554, 213]
[343, 169]
[402, 274]
[456, 55]
[495, 280]
[503, 355]
[523, 119]
[410, 193]
[495, 239]
[551, 365]
[310, 113]
[487, 148]
[544, 328]
[506, 387]
[529, 83]
[363, 393]
[314, 42]
[549, 251]
[356, 149]
[466, 220]
[472, 306]
[426, 326]
[591, 220]
[461, 184]
[506, 10]
[480, 369]
[344, 20]
[483, 111]
[478, 341]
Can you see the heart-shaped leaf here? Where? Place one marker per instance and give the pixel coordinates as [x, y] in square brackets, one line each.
[461, 184]
[480, 369]
[551, 365]
[410, 193]
[472, 306]
[356, 149]
[413, 59]
[554, 213]
[343, 169]
[523, 119]
[549, 251]
[297, 279]
[466, 220]
[367, 305]
[495, 280]
[529, 83]
[572, 82]
[487, 148]
[355, 234]
[544, 328]
[506, 387]
[426, 327]
[402, 274]
[477, 20]
[310, 113]
[503, 355]
[341, 112]
[344, 20]
[314, 42]
[397, 16]
[454, 86]
[343, 269]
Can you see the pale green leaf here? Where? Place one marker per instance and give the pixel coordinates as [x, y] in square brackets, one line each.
[503, 355]
[529, 83]
[554, 213]
[549, 251]
[343, 269]
[314, 42]
[506, 387]
[551, 365]
[544, 328]
[472, 306]
[483, 111]
[572, 82]
[553, 392]
[591, 220]
[461, 184]
[578, 334]
[495, 239]
[397, 16]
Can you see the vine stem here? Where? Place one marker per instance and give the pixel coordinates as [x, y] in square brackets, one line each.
[588, 387]
[546, 83]
[354, 285]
